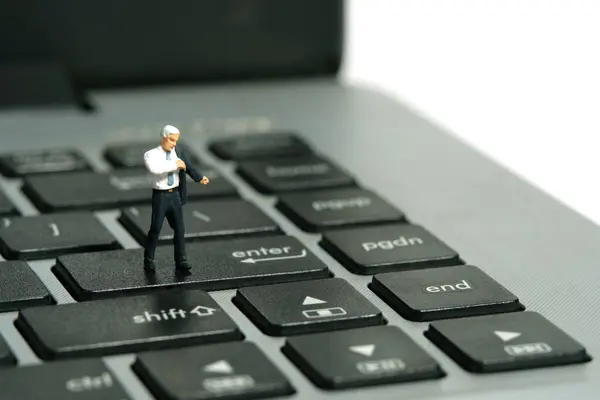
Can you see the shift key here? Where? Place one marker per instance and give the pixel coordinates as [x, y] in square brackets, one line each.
[126, 325]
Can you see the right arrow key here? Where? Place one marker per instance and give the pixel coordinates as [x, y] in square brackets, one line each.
[505, 342]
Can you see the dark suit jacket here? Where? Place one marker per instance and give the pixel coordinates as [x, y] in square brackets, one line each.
[191, 171]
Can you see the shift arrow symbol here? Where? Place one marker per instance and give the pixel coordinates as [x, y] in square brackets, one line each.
[202, 311]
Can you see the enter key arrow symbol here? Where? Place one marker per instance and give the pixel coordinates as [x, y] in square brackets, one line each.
[252, 260]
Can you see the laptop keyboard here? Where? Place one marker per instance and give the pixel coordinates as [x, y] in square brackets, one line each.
[185, 345]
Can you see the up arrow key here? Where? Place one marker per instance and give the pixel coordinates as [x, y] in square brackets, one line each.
[221, 367]
[506, 336]
[365, 350]
[202, 311]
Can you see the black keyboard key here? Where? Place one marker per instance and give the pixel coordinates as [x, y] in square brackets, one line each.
[259, 146]
[222, 265]
[324, 209]
[20, 287]
[207, 219]
[440, 293]
[7, 358]
[296, 173]
[361, 357]
[47, 236]
[42, 162]
[310, 306]
[131, 154]
[220, 371]
[65, 380]
[97, 191]
[218, 186]
[7, 208]
[504, 342]
[129, 324]
[370, 250]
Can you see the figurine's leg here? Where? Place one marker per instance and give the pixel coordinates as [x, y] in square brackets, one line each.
[175, 219]
[159, 206]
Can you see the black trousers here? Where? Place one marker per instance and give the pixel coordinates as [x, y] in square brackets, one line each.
[166, 204]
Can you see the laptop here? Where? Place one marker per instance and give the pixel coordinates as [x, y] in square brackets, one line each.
[344, 247]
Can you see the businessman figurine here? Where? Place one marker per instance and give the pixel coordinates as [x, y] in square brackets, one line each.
[168, 169]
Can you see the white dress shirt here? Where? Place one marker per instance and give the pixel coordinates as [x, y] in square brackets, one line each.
[159, 168]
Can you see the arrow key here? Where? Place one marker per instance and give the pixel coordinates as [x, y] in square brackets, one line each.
[505, 342]
[308, 306]
[361, 357]
[217, 371]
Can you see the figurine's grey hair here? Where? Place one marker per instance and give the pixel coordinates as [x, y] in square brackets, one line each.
[169, 130]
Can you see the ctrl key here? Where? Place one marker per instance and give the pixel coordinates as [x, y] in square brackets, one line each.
[505, 342]
[221, 371]
[87, 379]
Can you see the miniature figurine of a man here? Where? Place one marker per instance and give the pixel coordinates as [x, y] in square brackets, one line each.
[168, 169]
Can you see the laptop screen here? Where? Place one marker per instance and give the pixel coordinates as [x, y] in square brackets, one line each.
[111, 43]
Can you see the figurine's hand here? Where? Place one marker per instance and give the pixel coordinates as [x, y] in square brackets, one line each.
[180, 164]
[204, 180]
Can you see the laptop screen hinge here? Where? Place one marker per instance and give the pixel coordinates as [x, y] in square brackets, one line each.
[39, 84]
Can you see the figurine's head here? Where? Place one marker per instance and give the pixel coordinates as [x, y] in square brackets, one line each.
[169, 137]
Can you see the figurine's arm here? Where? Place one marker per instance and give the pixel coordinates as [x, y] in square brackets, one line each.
[190, 170]
[193, 173]
[158, 166]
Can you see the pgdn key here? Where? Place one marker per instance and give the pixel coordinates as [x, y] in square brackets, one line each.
[388, 248]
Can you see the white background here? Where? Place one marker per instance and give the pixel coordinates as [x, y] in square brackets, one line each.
[518, 79]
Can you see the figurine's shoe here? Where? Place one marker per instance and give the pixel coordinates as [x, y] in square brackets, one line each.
[183, 264]
[149, 264]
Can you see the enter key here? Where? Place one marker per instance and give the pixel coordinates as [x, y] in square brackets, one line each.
[224, 264]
